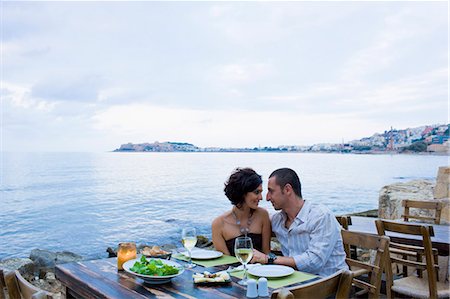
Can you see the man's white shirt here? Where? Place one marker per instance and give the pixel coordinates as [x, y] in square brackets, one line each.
[314, 239]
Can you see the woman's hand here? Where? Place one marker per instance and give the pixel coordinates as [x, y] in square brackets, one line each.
[258, 257]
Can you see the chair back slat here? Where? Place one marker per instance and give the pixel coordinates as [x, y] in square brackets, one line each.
[406, 248]
[424, 205]
[362, 240]
[338, 284]
[409, 229]
[409, 263]
[12, 285]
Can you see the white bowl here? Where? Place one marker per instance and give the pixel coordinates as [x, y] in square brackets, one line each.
[150, 278]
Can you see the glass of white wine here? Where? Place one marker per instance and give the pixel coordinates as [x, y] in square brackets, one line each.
[189, 239]
[243, 249]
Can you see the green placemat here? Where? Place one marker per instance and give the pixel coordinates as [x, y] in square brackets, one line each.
[223, 260]
[276, 283]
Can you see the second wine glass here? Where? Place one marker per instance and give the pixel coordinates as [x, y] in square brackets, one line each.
[189, 239]
[243, 249]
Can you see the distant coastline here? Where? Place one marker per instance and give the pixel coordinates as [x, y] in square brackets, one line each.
[425, 140]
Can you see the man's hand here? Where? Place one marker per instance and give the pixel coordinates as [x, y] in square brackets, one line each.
[258, 257]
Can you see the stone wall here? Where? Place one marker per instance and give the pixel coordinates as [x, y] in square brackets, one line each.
[391, 196]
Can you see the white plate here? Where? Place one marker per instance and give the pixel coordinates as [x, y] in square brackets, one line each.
[153, 279]
[271, 271]
[203, 254]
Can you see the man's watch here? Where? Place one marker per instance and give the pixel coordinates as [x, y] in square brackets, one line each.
[271, 257]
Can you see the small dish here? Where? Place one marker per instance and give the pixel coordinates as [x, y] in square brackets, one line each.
[207, 278]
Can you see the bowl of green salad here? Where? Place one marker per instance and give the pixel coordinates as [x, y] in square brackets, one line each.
[153, 270]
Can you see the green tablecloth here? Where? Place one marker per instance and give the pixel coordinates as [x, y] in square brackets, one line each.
[223, 260]
[276, 283]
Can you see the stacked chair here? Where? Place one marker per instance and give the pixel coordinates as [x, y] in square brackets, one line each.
[423, 282]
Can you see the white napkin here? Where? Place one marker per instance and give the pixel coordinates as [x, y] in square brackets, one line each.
[241, 267]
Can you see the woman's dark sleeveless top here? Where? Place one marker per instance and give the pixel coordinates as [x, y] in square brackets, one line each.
[256, 240]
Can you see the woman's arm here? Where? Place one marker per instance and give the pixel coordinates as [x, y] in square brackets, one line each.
[217, 236]
[266, 231]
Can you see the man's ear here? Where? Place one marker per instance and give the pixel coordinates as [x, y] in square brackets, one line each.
[288, 189]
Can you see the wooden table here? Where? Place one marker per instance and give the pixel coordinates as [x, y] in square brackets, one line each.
[440, 240]
[100, 279]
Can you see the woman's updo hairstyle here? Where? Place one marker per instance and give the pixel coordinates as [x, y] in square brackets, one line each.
[240, 182]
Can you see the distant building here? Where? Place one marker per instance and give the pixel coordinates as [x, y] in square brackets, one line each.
[439, 148]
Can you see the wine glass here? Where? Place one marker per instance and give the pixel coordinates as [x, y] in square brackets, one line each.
[243, 249]
[189, 239]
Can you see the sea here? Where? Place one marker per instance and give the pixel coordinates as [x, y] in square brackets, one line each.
[87, 202]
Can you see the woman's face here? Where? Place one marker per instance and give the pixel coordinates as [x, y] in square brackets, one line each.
[252, 198]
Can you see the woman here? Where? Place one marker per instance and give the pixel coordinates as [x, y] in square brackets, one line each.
[244, 190]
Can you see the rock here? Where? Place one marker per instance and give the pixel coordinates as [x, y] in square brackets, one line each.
[23, 265]
[112, 252]
[442, 183]
[203, 242]
[391, 196]
[47, 259]
[50, 277]
[67, 257]
[43, 258]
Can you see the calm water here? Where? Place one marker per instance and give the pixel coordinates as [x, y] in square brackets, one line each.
[85, 202]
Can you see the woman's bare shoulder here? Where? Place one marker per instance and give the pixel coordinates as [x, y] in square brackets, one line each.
[262, 212]
[219, 220]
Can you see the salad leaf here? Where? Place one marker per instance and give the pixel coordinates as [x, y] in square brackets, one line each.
[153, 267]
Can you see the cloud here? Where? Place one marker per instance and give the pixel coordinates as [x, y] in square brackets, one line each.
[20, 96]
[65, 88]
[237, 73]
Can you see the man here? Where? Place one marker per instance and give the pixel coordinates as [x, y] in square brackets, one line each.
[310, 235]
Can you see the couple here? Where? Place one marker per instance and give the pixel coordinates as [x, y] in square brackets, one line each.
[310, 235]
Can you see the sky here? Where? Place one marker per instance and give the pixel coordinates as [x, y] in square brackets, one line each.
[90, 76]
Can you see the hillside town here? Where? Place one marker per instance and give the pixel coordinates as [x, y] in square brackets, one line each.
[424, 139]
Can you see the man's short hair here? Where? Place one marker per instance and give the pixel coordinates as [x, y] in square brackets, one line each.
[285, 176]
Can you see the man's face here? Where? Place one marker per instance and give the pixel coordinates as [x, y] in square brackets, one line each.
[275, 194]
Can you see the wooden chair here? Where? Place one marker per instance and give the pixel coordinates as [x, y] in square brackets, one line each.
[380, 244]
[428, 205]
[19, 288]
[417, 285]
[338, 284]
